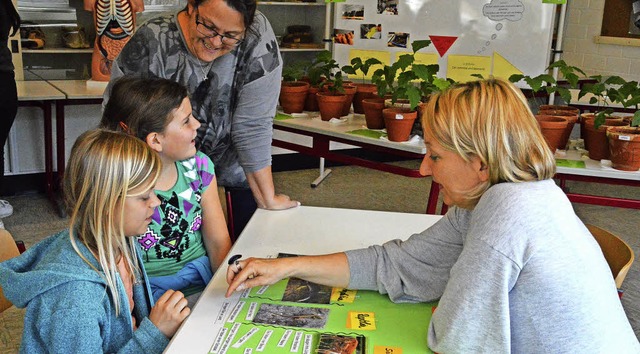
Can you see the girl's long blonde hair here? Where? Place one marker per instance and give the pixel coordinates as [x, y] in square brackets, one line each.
[103, 168]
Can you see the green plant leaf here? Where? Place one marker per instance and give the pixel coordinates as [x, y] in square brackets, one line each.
[442, 84]
[414, 96]
[513, 78]
[636, 119]
[614, 80]
[564, 93]
[404, 61]
[419, 44]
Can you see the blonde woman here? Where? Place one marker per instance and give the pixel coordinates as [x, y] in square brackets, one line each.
[83, 288]
[512, 266]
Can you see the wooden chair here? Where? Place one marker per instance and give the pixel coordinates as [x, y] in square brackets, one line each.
[617, 253]
[8, 249]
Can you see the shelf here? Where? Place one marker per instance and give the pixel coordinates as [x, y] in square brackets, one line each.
[57, 51]
[301, 49]
[283, 3]
[38, 14]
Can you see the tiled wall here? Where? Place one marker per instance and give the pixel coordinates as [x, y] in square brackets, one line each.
[583, 22]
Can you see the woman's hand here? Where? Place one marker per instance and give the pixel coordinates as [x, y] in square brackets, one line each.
[169, 312]
[330, 270]
[281, 202]
[252, 272]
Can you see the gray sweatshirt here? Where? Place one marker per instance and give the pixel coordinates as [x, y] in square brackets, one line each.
[520, 273]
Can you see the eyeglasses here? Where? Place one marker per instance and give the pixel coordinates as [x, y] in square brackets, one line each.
[208, 32]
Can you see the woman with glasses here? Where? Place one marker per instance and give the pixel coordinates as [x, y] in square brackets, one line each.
[226, 54]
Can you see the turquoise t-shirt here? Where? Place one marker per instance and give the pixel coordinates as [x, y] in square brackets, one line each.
[173, 237]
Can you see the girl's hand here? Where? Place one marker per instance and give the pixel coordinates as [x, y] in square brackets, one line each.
[252, 272]
[169, 312]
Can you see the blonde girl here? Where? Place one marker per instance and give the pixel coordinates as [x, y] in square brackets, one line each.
[83, 287]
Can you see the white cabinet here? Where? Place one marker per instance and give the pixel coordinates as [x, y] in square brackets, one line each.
[316, 15]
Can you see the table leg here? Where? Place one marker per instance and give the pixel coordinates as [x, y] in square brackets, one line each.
[323, 174]
[48, 150]
[432, 201]
[60, 148]
[60, 159]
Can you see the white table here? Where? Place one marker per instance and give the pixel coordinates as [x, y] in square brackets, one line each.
[595, 172]
[41, 94]
[76, 92]
[324, 132]
[302, 230]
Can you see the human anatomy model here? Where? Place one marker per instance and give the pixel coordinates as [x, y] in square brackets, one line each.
[115, 23]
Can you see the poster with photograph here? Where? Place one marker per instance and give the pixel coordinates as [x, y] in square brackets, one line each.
[343, 36]
[353, 12]
[371, 31]
[398, 39]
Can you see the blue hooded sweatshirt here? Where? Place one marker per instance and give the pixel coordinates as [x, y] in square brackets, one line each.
[69, 309]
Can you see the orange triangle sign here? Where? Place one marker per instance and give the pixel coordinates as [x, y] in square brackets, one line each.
[442, 43]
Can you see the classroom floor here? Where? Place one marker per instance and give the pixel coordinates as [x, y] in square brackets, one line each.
[346, 187]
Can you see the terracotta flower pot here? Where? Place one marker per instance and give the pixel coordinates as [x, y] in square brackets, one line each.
[330, 104]
[399, 122]
[311, 103]
[624, 147]
[293, 95]
[553, 128]
[364, 91]
[349, 90]
[571, 114]
[597, 138]
[373, 112]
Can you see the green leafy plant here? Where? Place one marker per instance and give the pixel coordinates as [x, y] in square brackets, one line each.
[547, 83]
[323, 69]
[358, 65]
[404, 79]
[612, 89]
[294, 71]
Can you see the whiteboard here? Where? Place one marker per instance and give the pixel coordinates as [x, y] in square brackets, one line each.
[487, 37]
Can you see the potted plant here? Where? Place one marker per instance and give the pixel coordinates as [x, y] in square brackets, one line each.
[604, 92]
[624, 141]
[316, 72]
[364, 90]
[548, 84]
[404, 79]
[332, 97]
[293, 92]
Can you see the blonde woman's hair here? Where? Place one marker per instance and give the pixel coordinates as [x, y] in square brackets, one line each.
[104, 167]
[490, 119]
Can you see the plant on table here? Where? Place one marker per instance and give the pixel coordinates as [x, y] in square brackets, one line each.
[364, 89]
[326, 70]
[293, 92]
[405, 79]
[555, 131]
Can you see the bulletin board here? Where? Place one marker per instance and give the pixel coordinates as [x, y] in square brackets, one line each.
[487, 37]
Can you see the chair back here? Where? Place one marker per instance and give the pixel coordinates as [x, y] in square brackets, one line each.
[8, 249]
[617, 253]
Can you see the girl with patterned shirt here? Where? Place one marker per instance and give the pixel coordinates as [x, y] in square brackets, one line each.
[187, 238]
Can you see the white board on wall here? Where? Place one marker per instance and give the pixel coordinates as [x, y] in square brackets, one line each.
[497, 37]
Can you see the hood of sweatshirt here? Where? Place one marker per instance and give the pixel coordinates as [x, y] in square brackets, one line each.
[45, 266]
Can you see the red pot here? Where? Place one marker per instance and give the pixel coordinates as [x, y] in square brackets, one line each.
[624, 147]
[373, 112]
[553, 128]
[399, 122]
[364, 91]
[293, 95]
[330, 104]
